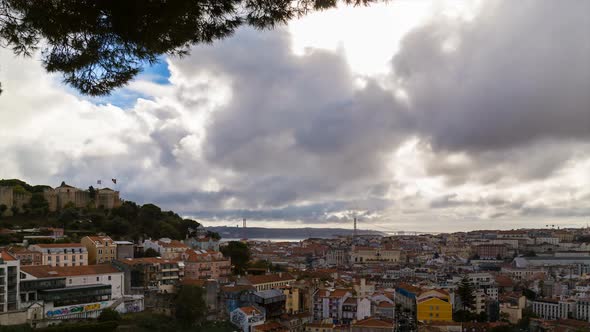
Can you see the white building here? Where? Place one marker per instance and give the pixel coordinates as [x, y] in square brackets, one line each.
[246, 318]
[582, 309]
[62, 254]
[104, 274]
[9, 282]
[166, 248]
[552, 309]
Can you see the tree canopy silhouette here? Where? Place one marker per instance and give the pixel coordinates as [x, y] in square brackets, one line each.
[101, 45]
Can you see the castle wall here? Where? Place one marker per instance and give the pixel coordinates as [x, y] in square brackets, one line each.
[51, 198]
[6, 199]
[20, 199]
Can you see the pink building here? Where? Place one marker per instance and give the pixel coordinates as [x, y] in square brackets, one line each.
[206, 264]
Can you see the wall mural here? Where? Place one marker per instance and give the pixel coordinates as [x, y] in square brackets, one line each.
[76, 309]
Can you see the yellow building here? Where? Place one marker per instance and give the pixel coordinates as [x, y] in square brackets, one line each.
[101, 249]
[293, 299]
[434, 305]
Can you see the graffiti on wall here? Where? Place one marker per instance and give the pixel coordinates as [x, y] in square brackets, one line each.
[76, 309]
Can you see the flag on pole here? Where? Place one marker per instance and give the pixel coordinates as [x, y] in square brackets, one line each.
[114, 181]
[98, 181]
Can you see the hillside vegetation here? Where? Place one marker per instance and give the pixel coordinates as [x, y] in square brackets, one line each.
[130, 221]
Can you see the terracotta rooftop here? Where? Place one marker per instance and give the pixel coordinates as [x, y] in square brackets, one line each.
[100, 239]
[339, 292]
[46, 271]
[250, 310]
[6, 256]
[409, 287]
[374, 322]
[263, 279]
[148, 260]
[60, 245]
[172, 244]
[270, 327]
[385, 304]
[237, 288]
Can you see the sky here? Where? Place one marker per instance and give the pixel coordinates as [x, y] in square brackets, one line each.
[431, 116]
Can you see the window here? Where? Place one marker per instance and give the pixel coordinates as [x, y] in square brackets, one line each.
[70, 281]
[97, 278]
[81, 256]
[100, 251]
[109, 277]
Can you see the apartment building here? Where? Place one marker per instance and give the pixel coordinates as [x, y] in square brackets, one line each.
[62, 254]
[25, 256]
[77, 276]
[328, 304]
[552, 308]
[369, 254]
[101, 249]
[206, 264]
[150, 273]
[434, 305]
[167, 248]
[9, 282]
[268, 281]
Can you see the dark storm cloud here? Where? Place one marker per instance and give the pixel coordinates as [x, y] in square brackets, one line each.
[519, 74]
[297, 140]
[296, 128]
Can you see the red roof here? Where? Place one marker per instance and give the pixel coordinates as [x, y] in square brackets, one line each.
[250, 310]
[148, 260]
[46, 271]
[266, 278]
[60, 245]
[6, 256]
[374, 322]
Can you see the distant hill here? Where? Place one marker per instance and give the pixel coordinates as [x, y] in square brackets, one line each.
[285, 233]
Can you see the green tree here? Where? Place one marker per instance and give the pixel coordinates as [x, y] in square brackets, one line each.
[92, 192]
[38, 204]
[239, 253]
[101, 45]
[189, 304]
[109, 314]
[214, 235]
[466, 293]
[150, 253]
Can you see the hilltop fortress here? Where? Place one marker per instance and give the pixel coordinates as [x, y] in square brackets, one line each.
[60, 197]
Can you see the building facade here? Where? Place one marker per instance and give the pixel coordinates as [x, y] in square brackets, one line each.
[62, 254]
[9, 282]
[101, 249]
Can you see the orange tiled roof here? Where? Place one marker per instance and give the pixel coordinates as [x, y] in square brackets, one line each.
[148, 260]
[60, 245]
[339, 292]
[250, 310]
[409, 287]
[374, 322]
[46, 271]
[266, 278]
[173, 244]
[6, 256]
[100, 239]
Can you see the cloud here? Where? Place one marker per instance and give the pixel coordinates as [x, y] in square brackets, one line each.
[478, 120]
